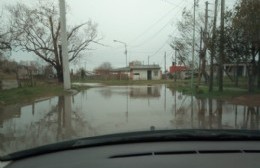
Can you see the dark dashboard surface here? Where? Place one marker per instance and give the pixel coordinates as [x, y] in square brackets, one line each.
[195, 154]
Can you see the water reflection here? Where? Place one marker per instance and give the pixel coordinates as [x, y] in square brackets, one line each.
[106, 110]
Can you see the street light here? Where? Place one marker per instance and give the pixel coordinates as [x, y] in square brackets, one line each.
[125, 49]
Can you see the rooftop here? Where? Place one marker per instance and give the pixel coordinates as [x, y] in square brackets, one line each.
[155, 66]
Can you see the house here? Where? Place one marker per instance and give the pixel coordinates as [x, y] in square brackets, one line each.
[121, 73]
[138, 71]
[145, 72]
[231, 69]
[182, 72]
[236, 69]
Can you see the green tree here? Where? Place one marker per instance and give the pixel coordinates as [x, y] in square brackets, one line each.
[247, 20]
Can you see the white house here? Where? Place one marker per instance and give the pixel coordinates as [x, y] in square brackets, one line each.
[145, 72]
[137, 71]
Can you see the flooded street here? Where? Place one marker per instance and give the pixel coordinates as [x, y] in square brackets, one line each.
[113, 109]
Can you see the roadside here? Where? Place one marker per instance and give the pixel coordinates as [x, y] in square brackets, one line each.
[49, 89]
[45, 90]
[27, 94]
[247, 100]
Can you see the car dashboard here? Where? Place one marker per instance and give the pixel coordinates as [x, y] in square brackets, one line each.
[184, 154]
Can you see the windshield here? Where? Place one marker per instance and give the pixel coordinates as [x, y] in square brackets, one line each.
[72, 69]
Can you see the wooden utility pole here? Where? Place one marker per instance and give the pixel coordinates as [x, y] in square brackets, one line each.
[222, 41]
[193, 49]
[203, 52]
[200, 55]
[213, 50]
[175, 64]
[64, 43]
[165, 63]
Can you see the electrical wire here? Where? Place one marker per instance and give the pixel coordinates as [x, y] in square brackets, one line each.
[159, 20]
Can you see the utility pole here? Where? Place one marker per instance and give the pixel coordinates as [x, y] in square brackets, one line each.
[64, 43]
[203, 52]
[200, 55]
[193, 46]
[206, 19]
[148, 59]
[193, 53]
[213, 50]
[165, 63]
[175, 64]
[222, 40]
[205, 37]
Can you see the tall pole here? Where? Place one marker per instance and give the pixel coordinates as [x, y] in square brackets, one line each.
[193, 47]
[125, 55]
[206, 19]
[193, 53]
[165, 63]
[64, 43]
[175, 76]
[213, 50]
[221, 59]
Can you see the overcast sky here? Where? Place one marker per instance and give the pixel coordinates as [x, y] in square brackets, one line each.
[144, 25]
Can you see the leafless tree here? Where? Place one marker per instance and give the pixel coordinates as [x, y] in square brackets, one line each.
[36, 29]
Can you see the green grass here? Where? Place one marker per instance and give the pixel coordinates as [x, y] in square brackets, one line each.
[43, 90]
[202, 91]
[27, 94]
[228, 92]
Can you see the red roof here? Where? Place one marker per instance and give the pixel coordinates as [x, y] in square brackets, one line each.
[176, 68]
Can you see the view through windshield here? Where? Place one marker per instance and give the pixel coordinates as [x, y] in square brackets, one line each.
[119, 109]
[80, 68]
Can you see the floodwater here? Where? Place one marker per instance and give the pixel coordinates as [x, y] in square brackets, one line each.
[115, 109]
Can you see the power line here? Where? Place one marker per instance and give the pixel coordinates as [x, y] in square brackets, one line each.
[158, 32]
[163, 44]
[156, 22]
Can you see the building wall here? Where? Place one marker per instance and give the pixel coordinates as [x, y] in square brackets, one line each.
[231, 69]
[156, 74]
[139, 74]
[142, 74]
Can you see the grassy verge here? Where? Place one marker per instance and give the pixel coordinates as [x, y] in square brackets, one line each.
[27, 94]
[202, 90]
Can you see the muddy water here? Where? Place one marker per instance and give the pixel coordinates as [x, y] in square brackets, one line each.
[106, 110]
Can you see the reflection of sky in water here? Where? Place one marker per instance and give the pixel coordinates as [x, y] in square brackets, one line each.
[106, 110]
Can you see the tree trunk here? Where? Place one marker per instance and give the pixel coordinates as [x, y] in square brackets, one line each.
[59, 73]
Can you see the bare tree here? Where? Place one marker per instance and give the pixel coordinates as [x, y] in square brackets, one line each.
[104, 68]
[183, 42]
[36, 29]
[4, 38]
